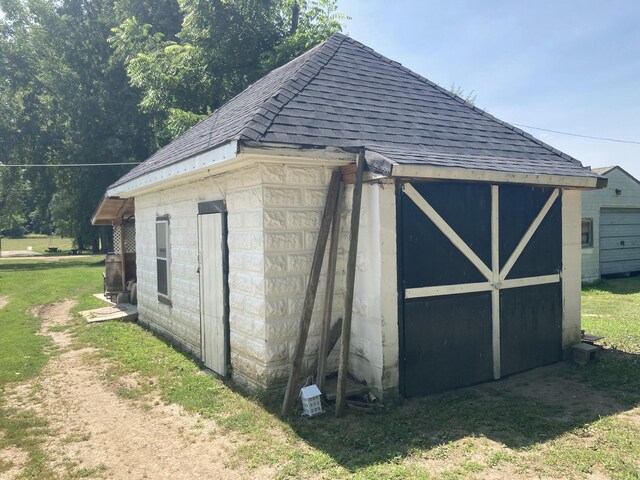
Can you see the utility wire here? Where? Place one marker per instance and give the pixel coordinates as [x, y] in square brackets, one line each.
[617, 140]
[69, 164]
[578, 135]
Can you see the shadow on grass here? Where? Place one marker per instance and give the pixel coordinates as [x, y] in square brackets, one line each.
[16, 265]
[622, 285]
[519, 412]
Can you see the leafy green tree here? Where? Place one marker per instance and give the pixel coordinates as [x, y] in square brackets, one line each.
[14, 211]
[107, 81]
[222, 47]
[69, 104]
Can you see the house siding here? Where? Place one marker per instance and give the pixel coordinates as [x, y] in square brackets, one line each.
[374, 349]
[592, 203]
[180, 322]
[274, 214]
[294, 203]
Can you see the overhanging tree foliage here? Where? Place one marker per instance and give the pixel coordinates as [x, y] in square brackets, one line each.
[221, 48]
[110, 81]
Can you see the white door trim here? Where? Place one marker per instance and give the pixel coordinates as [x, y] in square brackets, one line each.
[447, 290]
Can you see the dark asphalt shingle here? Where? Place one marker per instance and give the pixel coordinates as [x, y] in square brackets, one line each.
[343, 94]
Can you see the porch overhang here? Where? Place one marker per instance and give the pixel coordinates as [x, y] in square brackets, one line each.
[113, 211]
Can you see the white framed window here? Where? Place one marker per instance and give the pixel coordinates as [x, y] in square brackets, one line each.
[587, 232]
[162, 259]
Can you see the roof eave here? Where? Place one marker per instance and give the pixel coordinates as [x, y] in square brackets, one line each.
[202, 162]
[493, 176]
[112, 211]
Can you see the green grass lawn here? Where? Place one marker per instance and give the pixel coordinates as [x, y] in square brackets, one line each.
[38, 243]
[23, 353]
[504, 429]
[611, 308]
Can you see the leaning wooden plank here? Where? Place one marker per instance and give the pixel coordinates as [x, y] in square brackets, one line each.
[334, 336]
[351, 277]
[323, 351]
[352, 388]
[310, 297]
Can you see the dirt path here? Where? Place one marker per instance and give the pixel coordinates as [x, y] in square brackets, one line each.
[3, 302]
[105, 436]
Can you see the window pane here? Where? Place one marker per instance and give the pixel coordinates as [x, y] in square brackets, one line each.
[587, 232]
[161, 239]
[163, 286]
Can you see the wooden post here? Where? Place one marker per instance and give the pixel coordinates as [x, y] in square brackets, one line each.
[345, 341]
[334, 336]
[312, 287]
[328, 295]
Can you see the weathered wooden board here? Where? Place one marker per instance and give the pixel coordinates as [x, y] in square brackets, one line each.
[530, 327]
[447, 343]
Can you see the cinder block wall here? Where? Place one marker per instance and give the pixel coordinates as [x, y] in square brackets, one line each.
[294, 199]
[374, 342]
[274, 214]
[180, 322]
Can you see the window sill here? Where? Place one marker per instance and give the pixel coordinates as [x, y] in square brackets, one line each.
[164, 300]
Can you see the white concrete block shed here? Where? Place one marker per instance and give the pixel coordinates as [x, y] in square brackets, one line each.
[468, 265]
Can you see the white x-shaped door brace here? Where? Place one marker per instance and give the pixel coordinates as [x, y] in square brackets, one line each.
[496, 277]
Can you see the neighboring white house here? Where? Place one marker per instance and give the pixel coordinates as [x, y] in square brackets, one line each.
[468, 265]
[611, 226]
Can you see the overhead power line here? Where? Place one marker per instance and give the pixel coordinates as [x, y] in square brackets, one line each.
[43, 165]
[578, 135]
[69, 164]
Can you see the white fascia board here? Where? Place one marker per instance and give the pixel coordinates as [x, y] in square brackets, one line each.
[218, 158]
[225, 158]
[476, 175]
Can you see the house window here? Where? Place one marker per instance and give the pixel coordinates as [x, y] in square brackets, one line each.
[587, 232]
[162, 258]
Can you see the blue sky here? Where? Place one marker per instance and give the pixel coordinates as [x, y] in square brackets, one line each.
[563, 65]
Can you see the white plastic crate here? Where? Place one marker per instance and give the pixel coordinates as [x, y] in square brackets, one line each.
[311, 404]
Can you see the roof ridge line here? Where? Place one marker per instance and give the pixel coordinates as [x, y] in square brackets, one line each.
[464, 102]
[254, 130]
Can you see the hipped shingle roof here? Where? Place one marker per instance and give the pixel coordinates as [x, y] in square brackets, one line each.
[343, 94]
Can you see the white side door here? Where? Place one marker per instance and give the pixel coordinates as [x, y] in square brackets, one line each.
[212, 291]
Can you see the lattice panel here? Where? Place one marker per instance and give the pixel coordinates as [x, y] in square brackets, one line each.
[130, 237]
[117, 234]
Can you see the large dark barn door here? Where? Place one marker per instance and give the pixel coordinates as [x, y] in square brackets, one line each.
[479, 273]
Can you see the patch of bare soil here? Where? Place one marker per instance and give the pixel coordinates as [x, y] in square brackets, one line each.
[16, 457]
[3, 302]
[111, 437]
[551, 385]
[633, 417]
[54, 315]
